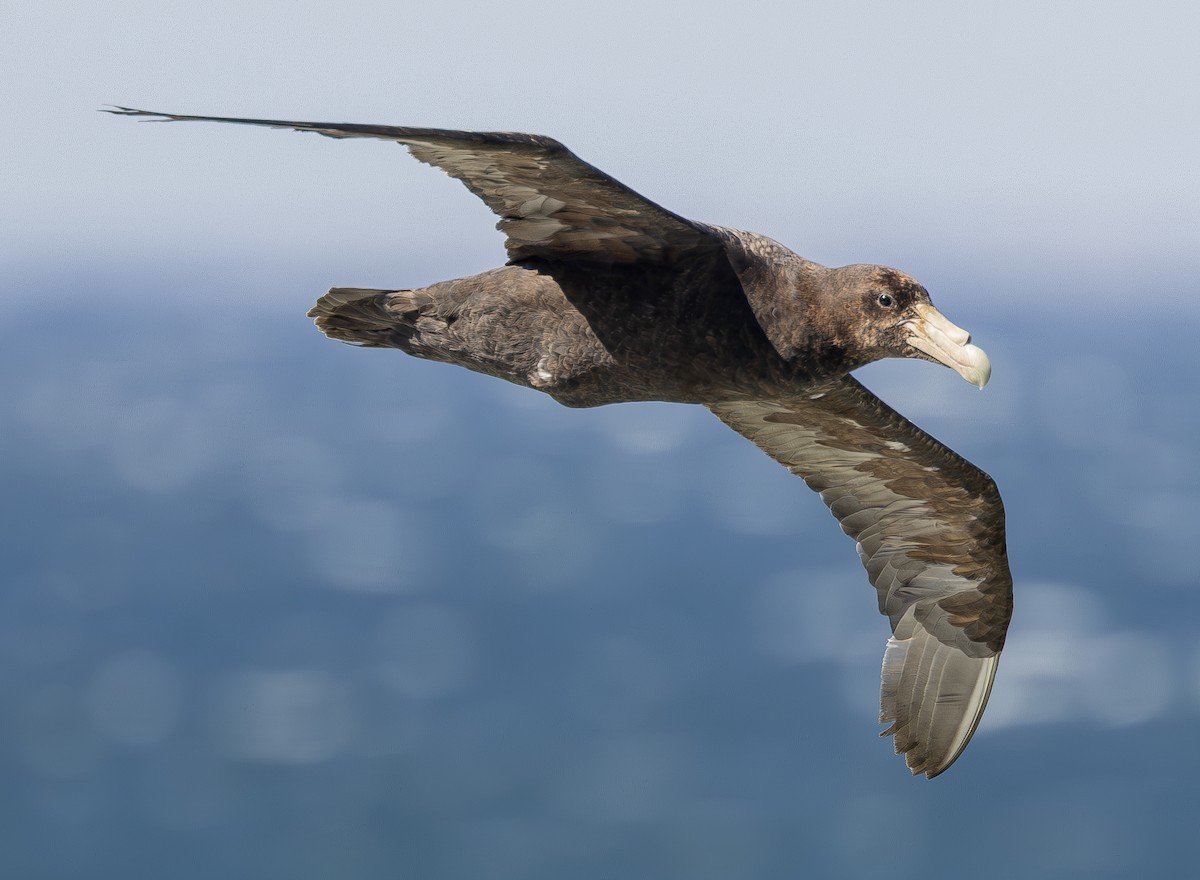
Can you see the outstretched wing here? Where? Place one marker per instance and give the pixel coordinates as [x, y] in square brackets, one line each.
[551, 203]
[930, 532]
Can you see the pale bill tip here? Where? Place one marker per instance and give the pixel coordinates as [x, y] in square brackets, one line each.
[978, 368]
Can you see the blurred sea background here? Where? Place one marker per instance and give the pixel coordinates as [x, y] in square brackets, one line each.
[274, 606]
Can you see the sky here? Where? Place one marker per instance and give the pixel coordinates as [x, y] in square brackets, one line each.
[271, 606]
[1049, 140]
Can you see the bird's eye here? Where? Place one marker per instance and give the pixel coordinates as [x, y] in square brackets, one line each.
[886, 300]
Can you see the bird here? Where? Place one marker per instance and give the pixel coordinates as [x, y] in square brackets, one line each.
[608, 297]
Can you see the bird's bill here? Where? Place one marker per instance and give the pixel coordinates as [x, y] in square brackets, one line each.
[946, 343]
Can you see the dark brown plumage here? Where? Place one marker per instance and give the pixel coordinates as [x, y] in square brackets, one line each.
[608, 297]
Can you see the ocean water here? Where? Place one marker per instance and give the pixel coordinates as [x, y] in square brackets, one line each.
[275, 606]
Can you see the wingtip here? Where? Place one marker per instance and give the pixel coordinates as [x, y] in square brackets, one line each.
[930, 729]
[154, 116]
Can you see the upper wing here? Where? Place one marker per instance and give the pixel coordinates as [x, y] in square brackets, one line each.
[551, 203]
[930, 531]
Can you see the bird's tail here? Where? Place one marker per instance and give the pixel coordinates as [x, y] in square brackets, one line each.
[372, 318]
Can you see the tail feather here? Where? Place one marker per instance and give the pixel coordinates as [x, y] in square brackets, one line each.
[493, 323]
[367, 317]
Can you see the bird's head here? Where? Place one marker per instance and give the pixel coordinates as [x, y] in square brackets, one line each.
[888, 314]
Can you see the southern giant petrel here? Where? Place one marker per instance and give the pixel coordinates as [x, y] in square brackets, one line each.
[608, 297]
